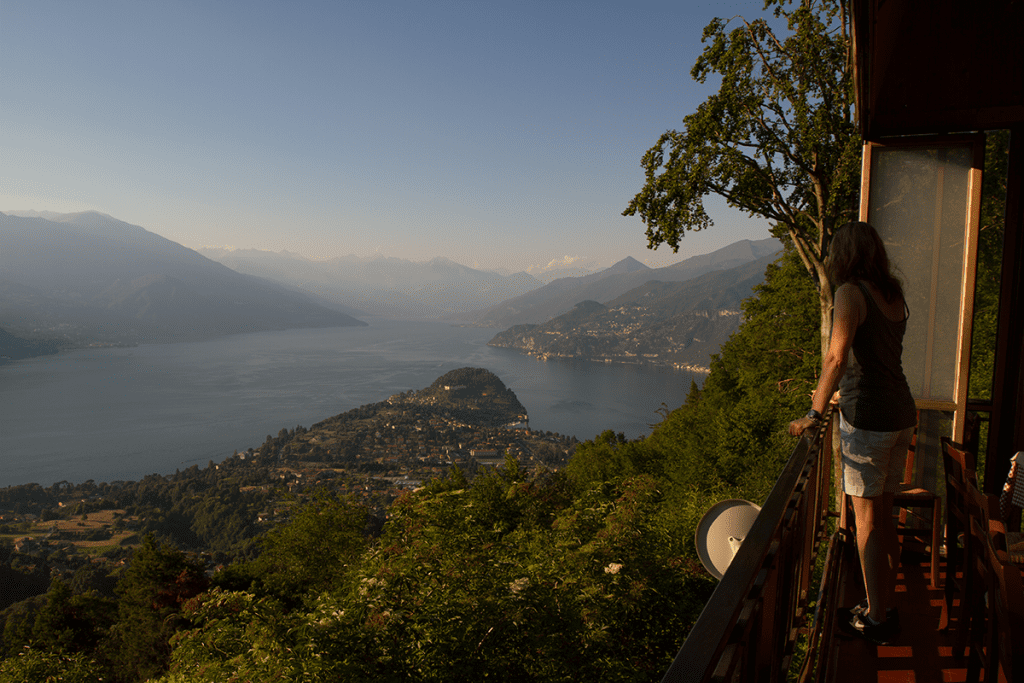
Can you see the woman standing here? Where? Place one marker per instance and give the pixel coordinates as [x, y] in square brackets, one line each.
[877, 412]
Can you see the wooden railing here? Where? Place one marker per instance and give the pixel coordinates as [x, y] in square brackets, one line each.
[749, 629]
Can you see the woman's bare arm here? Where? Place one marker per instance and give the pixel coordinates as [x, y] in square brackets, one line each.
[850, 311]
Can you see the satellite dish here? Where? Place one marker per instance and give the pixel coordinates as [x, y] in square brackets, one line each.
[721, 531]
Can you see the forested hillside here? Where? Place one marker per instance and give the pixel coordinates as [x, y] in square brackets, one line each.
[583, 573]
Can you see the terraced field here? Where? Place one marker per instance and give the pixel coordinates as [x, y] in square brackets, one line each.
[81, 530]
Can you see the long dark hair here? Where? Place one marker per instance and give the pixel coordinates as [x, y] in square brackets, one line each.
[857, 253]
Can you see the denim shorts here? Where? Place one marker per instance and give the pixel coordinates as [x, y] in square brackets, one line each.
[873, 462]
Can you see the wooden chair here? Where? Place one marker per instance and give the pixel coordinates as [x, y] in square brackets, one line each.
[985, 529]
[911, 496]
[959, 468]
[977, 578]
[1005, 658]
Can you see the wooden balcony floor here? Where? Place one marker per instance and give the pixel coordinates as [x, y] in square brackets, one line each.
[922, 654]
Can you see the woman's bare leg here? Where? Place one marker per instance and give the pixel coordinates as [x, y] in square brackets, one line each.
[878, 546]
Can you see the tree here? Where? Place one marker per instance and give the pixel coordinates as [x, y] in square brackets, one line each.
[610, 457]
[990, 253]
[71, 623]
[314, 550]
[150, 594]
[235, 636]
[777, 140]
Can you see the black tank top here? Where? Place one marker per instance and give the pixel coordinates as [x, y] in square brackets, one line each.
[874, 394]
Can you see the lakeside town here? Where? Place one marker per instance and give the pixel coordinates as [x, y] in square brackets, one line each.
[370, 455]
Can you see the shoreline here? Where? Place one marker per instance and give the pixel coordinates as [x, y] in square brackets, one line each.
[618, 360]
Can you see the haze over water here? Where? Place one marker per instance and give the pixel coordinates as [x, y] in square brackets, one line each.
[120, 414]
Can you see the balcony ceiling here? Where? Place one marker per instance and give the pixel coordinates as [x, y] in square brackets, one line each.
[939, 66]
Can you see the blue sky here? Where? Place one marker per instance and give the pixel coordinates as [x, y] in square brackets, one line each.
[499, 134]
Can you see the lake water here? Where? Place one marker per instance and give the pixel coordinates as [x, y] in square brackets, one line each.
[110, 414]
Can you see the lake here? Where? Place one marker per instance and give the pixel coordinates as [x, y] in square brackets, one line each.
[120, 414]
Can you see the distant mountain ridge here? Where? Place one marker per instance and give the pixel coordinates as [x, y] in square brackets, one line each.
[678, 324]
[388, 286]
[560, 296]
[91, 277]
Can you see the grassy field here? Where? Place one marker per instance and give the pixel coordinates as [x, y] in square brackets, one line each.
[83, 525]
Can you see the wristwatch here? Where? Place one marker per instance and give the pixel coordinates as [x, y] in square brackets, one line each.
[814, 416]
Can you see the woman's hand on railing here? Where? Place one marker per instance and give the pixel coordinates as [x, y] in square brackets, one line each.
[797, 427]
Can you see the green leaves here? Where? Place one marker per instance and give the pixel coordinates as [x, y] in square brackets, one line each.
[507, 577]
[312, 552]
[235, 636]
[48, 666]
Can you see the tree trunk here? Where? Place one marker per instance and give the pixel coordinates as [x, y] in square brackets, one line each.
[825, 300]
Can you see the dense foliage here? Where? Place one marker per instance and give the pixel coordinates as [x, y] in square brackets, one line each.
[990, 255]
[507, 577]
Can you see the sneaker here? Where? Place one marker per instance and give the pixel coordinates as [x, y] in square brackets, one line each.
[861, 608]
[879, 634]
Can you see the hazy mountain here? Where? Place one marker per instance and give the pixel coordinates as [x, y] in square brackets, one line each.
[559, 296]
[90, 277]
[713, 291]
[383, 285]
[727, 257]
[567, 266]
[667, 323]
